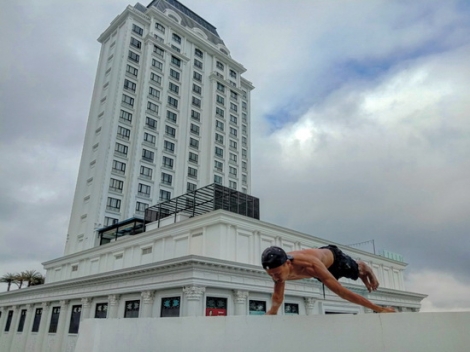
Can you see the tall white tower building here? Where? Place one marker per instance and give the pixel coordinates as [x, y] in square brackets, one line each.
[170, 113]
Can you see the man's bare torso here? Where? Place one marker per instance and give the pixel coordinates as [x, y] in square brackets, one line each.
[306, 261]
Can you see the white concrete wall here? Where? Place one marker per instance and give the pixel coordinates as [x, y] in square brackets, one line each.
[362, 333]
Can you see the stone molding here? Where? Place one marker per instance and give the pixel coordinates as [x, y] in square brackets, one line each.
[148, 296]
[240, 296]
[114, 300]
[194, 293]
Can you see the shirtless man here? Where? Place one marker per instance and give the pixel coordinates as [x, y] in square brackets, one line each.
[326, 264]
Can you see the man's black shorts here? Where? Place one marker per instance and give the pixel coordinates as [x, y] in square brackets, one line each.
[344, 265]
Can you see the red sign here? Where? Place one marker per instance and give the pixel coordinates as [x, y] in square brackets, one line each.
[213, 312]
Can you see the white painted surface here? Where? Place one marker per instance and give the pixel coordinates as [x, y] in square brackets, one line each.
[412, 332]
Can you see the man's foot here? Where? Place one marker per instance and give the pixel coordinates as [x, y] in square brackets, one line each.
[367, 276]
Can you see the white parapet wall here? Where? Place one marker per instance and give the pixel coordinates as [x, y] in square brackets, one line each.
[423, 332]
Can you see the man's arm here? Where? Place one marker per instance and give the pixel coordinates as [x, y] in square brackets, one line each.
[330, 281]
[277, 298]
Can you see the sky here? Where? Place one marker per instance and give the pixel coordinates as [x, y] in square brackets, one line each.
[360, 117]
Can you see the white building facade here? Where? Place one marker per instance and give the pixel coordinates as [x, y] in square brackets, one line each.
[170, 113]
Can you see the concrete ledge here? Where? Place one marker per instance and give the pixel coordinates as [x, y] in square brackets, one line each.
[361, 333]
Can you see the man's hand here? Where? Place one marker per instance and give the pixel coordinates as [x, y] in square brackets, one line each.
[270, 312]
[387, 310]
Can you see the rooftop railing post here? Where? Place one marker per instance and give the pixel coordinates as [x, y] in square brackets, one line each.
[159, 214]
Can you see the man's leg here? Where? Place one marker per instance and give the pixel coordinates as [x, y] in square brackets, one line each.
[367, 276]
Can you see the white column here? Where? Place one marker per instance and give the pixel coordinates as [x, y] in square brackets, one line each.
[240, 301]
[3, 319]
[194, 304]
[62, 324]
[86, 306]
[309, 305]
[13, 327]
[27, 326]
[147, 303]
[43, 326]
[113, 306]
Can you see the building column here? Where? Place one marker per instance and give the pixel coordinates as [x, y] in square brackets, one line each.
[13, 327]
[240, 301]
[86, 306]
[147, 300]
[194, 303]
[309, 305]
[27, 326]
[3, 320]
[113, 303]
[62, 324]
[43, 325]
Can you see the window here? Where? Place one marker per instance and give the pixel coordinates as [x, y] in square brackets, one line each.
[9, 319]
[244, 179]
[232, 83]
[198, 63]
[197, 76]
[167, 162]
[221, 76]
[175, 74]
[75, 319]
[193, 143]
[170, 307]
[244, 154]
[129, 85]
[165, 195]
[54, 319]
[193, 157]
[158, 51]
[233, 119]
[233, 107]
[123, 133]
[219, 152]
[146, 172]
[243, 117]
[233, 74]
[244, 129]
[233, 157]
[143, 190]
[37, 320]
[101, 310]
[257, 307]
[175, 48]
[119, 167]
[233, 131]
[192, 172]
[116, 185]
[159, 27]
[170, 115]
[127, 100]
[136, 43]
[156, 78]
[198, 53]
[233, 171]
[170, 131]
[244, 167]
[137, 29]
[113, 204]
[133, 56]
[219, 138]
[195, 115]
[126, 116]
[152, 107]
[233, 144]
[244, 105]
[176, 38]
[132, 70]
[140, 207]
[244, 141]
[197, 89]
[219, 166]
[218, 179]
[220, 99]
[166, 179]
[220, 65]
[233, 95]
[220, 87]
[154, 93]
[132, 309]
[22, 320]
[169, 146]
[291, 309]
[219, 125]
[195, 129]
[110, 221]
[151, 123]
[216, 306]
[244, 94]
[149, 138]
[175, 61]
[174, 88]
[157, 64]
[173, 102]
[190, 186]
[219, 112]
[196, 102]
[147, 155]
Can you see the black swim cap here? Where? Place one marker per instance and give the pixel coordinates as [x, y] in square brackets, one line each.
[273, 257]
